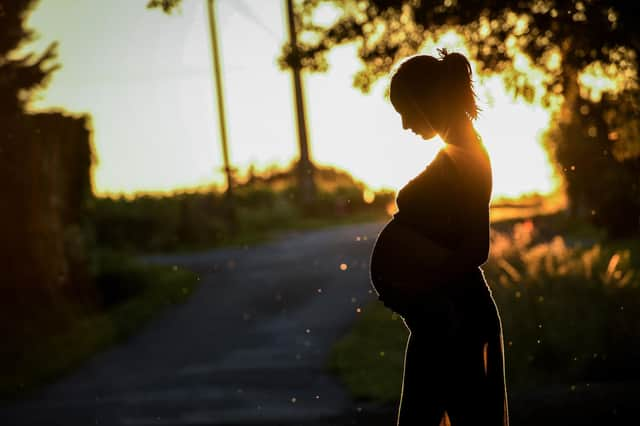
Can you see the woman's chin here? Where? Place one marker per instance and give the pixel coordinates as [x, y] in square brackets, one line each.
[427, 136]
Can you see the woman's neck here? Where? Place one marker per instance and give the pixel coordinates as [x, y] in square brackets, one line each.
[461, 134]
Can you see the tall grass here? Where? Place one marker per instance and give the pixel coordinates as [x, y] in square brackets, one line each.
[570, 310]
[130, 292]
[261, 206]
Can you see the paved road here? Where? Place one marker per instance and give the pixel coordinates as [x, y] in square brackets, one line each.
[249, 346]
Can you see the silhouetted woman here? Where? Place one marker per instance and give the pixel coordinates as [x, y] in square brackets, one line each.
[426, 261]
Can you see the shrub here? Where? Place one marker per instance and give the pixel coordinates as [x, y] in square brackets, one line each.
[569, 312]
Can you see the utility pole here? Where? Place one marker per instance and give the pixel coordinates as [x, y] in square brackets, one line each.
[221, 114]
[305, 168]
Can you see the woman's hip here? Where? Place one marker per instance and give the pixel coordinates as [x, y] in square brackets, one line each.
[465, 306]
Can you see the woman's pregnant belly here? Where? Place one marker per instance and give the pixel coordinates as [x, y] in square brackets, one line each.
[393, 262]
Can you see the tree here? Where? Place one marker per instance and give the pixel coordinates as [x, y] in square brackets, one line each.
[45, 161]
[19, 76]
[561, 37]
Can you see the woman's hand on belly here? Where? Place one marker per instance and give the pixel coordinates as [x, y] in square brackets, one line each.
[401, 295]
[410, 299]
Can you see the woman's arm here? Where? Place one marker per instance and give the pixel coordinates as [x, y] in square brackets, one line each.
[412, 248]
[422, 255]
[427, 266]
[474, 245]
[415, 259]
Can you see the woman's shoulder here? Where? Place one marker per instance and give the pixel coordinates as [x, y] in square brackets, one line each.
[474, 153]
[440, 166]
[430, 177]
[473, 160]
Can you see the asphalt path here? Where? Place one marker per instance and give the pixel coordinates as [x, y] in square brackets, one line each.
[249, 347]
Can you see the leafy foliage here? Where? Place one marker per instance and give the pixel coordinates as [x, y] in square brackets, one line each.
[388, 30]
[566, 306]
[35, 358]
[562, 38]
[263, 205]
[19, 76]
[167, 6]
[569, 309]
[602, 174]
[44, 179]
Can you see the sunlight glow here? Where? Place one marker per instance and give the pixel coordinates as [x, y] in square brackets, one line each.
[511, 130]
[148, 88]
[368, 196]
[512, 133]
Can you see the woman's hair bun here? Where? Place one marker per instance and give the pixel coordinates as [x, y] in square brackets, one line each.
[457, 76]
[429, 80]
[456, 64]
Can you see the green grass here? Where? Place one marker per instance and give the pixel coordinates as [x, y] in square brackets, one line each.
[251, 237]
[569, 312]
[41, 359]
[201, 220]
[369, 360]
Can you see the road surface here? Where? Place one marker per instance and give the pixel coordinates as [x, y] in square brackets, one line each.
[248, 347]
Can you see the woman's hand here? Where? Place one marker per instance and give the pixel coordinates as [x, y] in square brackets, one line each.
[403, 297]
[422, 305]
[394, 297]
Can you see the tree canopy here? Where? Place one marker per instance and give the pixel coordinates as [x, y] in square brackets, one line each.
[581, 32]
[19, 75]
[561, 37]
[566, 39]
[167, 6]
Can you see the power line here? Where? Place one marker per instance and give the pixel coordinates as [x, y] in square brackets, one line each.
[245, 10]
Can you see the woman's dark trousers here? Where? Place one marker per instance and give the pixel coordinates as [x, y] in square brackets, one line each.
[454, 360]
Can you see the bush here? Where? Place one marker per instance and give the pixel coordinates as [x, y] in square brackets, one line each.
[198, 220]
[570, 312]
[118, 277]
[132, 292]
[370, 359]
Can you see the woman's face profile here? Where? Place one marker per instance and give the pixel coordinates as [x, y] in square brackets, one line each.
[412, 94]
[419, 127]
[417, 122]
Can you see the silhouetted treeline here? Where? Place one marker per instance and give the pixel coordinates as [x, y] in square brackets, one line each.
[602, 175]
[263, 204]
[20, 75]
[45, 161]
[595, 140]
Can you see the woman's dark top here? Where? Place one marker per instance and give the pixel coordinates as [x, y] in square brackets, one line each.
[456, 320]
[449, 203]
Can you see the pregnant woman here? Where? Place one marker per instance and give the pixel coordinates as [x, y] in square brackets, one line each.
[426, 261]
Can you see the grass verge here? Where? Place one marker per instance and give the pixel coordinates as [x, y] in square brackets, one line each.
[39, 359]
[570, 309]
[370, 358]
[251, 237]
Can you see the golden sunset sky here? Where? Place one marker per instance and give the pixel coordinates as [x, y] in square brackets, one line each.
[146, 80]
